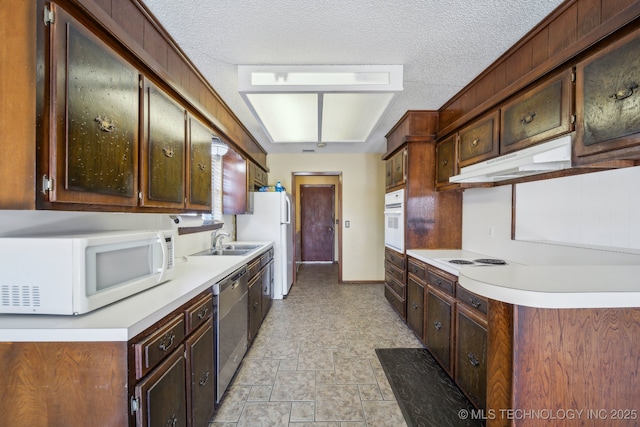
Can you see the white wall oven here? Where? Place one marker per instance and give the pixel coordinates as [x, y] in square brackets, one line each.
[394, 220]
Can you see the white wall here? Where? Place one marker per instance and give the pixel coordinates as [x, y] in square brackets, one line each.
[362, 205]
[487, 209]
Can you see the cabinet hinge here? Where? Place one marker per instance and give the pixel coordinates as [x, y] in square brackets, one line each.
[48, 15]
[135, 404]
[47, 184]
[139, 195]
[573, 118]
[573, 76]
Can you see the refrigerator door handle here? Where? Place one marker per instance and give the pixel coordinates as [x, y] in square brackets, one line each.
[287, 210]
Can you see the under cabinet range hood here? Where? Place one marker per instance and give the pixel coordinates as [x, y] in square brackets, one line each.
[546, 157]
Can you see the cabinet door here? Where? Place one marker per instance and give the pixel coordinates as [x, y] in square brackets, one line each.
[200, 349]
[255, 305]
[539, 114]
[446, 160]
[479, 141]
[163, 151]
[388, 177]
[399, 165]
[162, 394]
[415, 306]
[199, 165]
[234, 184]
[267, 288]
[471, 355]
[608, 98]
[93, 152]
[438, 327]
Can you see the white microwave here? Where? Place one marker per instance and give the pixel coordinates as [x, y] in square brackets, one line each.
[75, 274]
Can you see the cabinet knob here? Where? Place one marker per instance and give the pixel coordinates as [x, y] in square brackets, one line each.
[475, 142]
[167, 341]
[473, 359]
[528, 118]
[624, 93]
[171, 422]
[414, 305]
[255, 305]
[475, 302]
[437, 325]
[204, 378]
[203, 312]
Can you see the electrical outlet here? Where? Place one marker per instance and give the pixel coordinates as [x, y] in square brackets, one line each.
[347, 224]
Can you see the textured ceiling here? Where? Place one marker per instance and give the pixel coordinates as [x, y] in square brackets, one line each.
[443, 45]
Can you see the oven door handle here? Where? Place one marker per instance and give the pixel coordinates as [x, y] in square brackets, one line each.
[394, 212]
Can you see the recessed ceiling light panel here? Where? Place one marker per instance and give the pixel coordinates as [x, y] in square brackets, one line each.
[304, 103]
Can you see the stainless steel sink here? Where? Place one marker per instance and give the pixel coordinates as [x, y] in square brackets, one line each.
[223, 251]
[239, 246]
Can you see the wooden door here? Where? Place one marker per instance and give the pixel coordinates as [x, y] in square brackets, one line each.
[317, 207]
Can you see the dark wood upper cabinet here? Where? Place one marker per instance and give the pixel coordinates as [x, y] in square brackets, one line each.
[163, 151]
[235, 197]
[199, 181]
[446, 161]
[538, 114]
[608, 98]
[479, 141]
[93, 145]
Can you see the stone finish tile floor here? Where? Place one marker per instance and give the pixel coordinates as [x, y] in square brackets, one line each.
[313, 363]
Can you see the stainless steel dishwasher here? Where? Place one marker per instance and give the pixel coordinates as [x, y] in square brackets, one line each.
[231, 324]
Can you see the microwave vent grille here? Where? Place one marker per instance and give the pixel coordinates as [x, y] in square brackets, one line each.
[20, 296]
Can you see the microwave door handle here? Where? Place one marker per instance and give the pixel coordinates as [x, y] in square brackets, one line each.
[165, 257]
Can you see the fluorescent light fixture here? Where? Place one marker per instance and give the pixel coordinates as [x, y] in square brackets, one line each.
[319, 103]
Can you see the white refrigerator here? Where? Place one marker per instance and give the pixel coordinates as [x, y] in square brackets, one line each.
[271, 220]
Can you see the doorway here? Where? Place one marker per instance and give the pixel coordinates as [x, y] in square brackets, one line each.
[317, 213]
[318, 179]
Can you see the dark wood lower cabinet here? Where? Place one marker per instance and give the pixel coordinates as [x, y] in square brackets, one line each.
[162, 396]
[415, 306]
[200, 361]
[260, 291]
[439, 327]
[255, 306]
[471, 355]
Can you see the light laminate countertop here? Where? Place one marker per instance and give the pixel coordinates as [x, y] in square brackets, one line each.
[545, 286]
[125, 319]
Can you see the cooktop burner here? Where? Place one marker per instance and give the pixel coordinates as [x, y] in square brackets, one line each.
[491, 261]
[460, 261]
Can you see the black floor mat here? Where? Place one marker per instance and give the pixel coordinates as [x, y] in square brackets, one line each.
[426, 394]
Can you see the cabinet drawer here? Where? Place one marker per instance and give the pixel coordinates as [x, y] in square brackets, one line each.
[439, 326]
[253, 268]
[471, 356]
[479, 141]
[473, 301]
[392, 282]
[152, 349]
[418, 269]
[265, 258]
[199, 312]
[395, 258]
[394, 271]
[537, 115]
[397, 304]
[441, 281]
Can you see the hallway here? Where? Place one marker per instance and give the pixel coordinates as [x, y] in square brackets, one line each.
[313, 361]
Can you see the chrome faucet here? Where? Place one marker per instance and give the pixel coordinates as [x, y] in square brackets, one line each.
[216, 238]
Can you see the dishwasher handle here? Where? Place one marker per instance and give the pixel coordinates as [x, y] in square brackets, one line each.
[234, 279]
